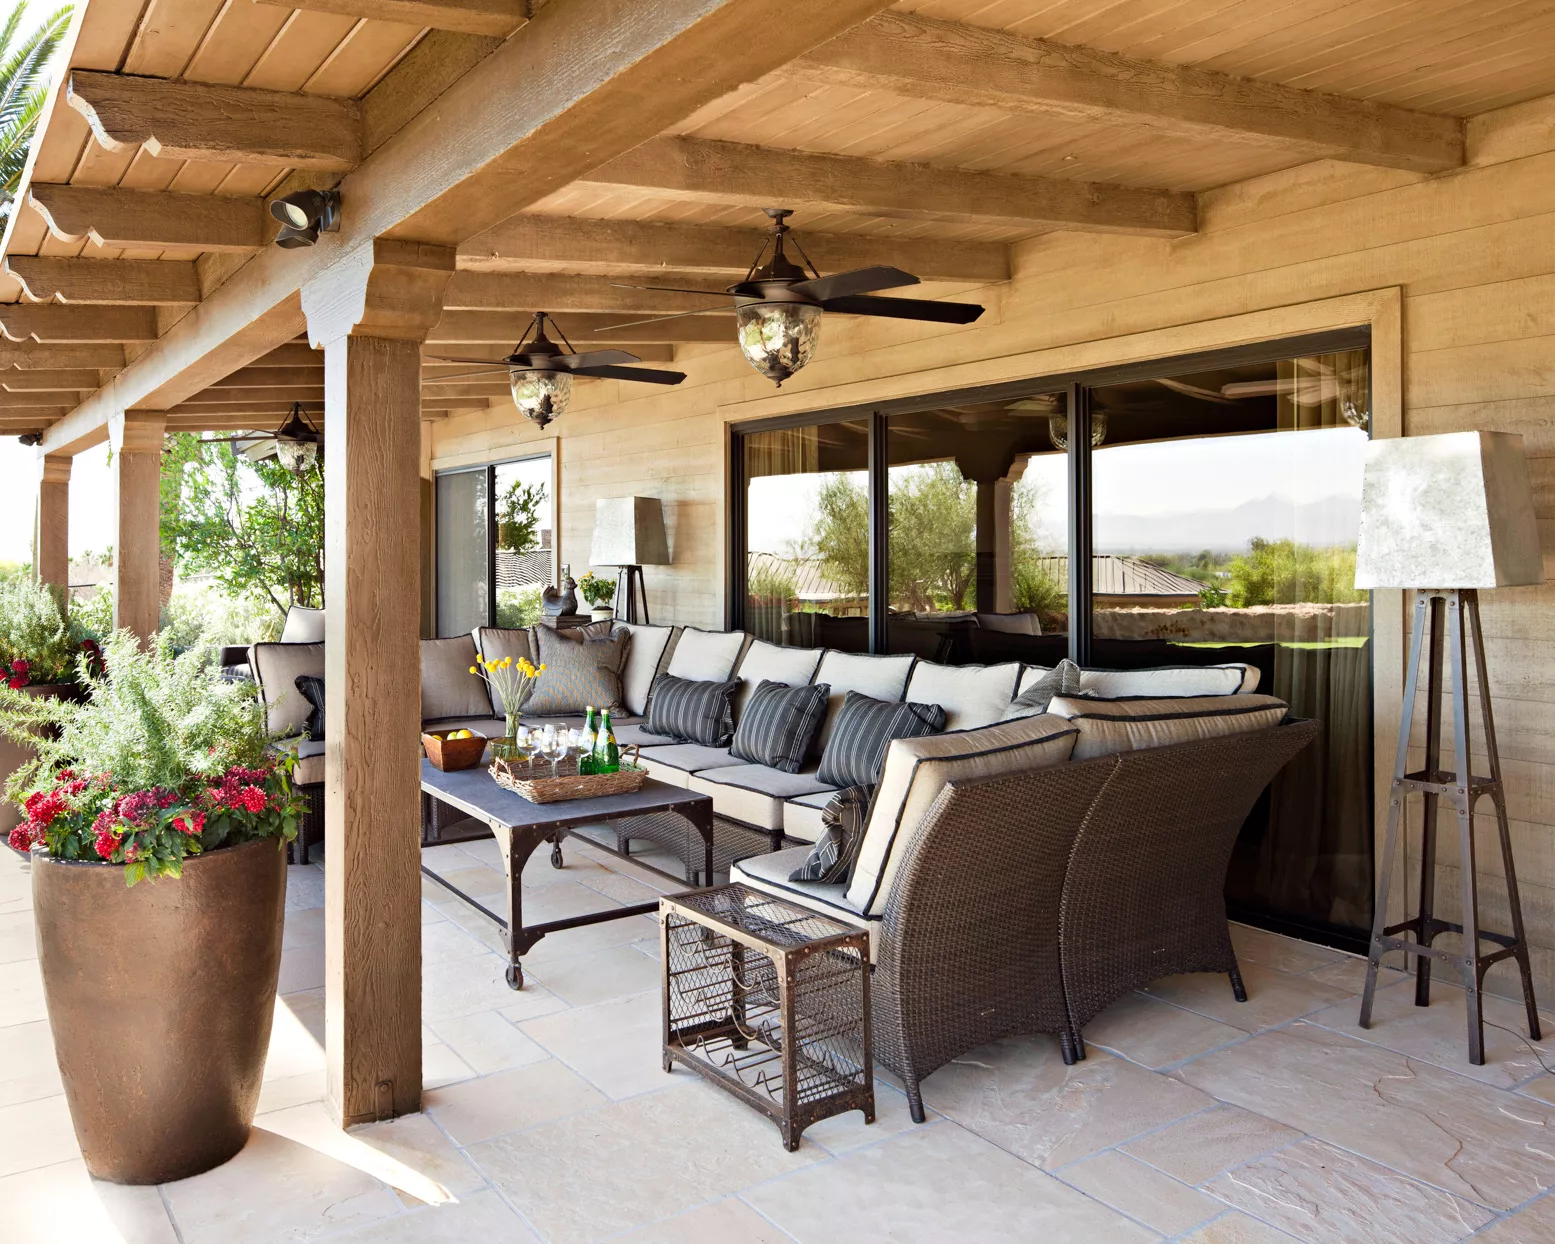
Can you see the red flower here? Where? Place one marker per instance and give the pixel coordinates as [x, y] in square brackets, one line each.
[253, 799]
[107, 843]
[44, 806]
[189, 823]
[25, 835]
[18, 683]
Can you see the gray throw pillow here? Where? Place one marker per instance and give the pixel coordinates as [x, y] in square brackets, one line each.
[692, 712]
[831, 858]
[1062, 679]
[865, 728]
[582, 668]
[312, 690]
[779, 723]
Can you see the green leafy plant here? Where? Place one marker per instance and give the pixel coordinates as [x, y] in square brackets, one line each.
[597, 591]
[518, 517]
[771, 585]
[24, 88]
[162, 760]
[1282, 572]
[1212, 596]
[519, 607]
[38, 641]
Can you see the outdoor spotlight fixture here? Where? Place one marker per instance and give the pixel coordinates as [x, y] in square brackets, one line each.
[304, 214]
[540, 372]
[777, 307]
[30, 438]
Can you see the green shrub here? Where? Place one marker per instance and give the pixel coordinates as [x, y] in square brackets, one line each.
[34, 630]
[1282, 572]
[520, 606]
[204, 613]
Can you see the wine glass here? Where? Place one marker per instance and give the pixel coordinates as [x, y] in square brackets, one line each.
[558, 744]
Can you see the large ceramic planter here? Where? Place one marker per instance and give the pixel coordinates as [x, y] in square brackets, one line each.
[13, 755]
[161, 996]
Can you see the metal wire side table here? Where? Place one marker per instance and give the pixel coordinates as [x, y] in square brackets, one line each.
[771, 1002]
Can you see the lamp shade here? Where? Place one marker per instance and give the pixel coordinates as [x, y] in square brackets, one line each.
[1451, 511]
[629, 531]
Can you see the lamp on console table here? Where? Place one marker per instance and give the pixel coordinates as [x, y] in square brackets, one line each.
[629, 534]
[1444, 516]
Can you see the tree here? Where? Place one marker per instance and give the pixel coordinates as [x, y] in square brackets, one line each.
[518, 517]
[1282, 572]
[253, 526]
[24, 87]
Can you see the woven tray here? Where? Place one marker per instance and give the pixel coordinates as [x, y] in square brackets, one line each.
[532, 779]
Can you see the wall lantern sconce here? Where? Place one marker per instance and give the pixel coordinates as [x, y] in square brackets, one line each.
[304, 214]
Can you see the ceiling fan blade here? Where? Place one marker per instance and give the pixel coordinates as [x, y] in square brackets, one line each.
[648, 375]
[459, 375]
[672, 289]
[858, 281]
[906, 308]
[439, 358]
[596, 358]
[652, 319]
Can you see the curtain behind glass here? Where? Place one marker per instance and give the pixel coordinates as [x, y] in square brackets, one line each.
[463, 530]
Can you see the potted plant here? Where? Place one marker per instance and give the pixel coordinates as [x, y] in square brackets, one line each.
[599, 593]
[39, 646]
[511, 683]
[156, 822]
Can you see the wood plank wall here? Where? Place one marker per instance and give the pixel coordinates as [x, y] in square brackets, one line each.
[1473, 252]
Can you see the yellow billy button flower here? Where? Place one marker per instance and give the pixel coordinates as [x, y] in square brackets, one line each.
[472, 669]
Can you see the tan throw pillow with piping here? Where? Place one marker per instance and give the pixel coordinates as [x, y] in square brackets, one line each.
[582, 667]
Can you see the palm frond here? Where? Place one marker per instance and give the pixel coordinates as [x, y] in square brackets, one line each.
[24, 67]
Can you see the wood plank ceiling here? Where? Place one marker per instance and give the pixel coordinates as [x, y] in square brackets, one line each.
[930, 137]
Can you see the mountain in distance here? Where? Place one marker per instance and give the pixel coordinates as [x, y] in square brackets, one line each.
[1329, 521]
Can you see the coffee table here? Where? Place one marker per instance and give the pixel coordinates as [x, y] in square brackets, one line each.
[521, 826]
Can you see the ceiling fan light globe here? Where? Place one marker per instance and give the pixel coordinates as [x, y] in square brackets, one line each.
[296, 456]
[540, 395]
[778, 338]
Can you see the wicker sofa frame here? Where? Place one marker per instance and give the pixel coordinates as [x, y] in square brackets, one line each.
[1028, 903]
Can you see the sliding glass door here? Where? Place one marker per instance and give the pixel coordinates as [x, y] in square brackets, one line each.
[494, 544]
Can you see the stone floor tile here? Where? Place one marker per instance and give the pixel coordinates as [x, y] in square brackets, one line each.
[307, 1006]
[1439, 1033]
[1018, 1094]
[1141, 1192]
[1237, 1228]
[429, 912]
[1283, 954]
[488, 1042]
[302, 968]
[17, 939]
[275, 1189]
[476, 880]
[1542, 1087]
[1155, 1033]
[598, 976]
[441, 1066]
[28, 1068]
[62, 1204]
[476, 924]
[934, 1184]
[450, 857]
[524, 1097]
[294, 1046]
[483, 850]
[1465, 1137]
[719, 1223]
[480, 1218]
[1318, 1193]
[1350, 974]
[36, 1133]
[464, 986]
[285, 1092]
[600, 1172]
[21, 992]
[447, 941]
[563, 900]
[304, 927]
[1272, 997]
[304, 887]
[590, 937]
[624, 889]
[1211, 1143]
[615, 1045]
[1533, 1225]
[843, 1133]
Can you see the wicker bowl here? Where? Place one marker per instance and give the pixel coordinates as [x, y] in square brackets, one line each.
[450, 755]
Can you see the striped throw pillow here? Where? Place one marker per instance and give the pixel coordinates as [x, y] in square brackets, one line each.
[865, 728]
[830, 861]
[779, 723]
[692, 712]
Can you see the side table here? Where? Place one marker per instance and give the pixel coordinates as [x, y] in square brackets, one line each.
[770, 1001]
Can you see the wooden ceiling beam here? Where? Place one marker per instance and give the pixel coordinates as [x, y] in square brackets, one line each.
[134, 282]
[444, 393]
[611, 247]
[145, 218]
[707, 171]
[25, 402]
[507, 291]
[49, 323]
[498, 18]
[218, 124]
[29, 356]
[312, 394]
[921, 58]
[260, 377]
[68, 381]
[646, 352]
[585, 331]
[292, 354]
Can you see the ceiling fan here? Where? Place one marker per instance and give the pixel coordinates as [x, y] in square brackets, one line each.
[779, 303]
[540, 372]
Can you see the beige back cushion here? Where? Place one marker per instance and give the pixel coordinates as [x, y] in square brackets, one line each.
[448, 689]
[582, 669]
[303, 626]
[882, 678]
[276, 667]
[496, 642]
[1170, 680]
[915, 772]
[706, 656]
[971, 695]
[644, 655]
[1109, 726]
[793, 667]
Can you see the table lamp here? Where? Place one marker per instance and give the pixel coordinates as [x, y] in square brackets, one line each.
[629, 534]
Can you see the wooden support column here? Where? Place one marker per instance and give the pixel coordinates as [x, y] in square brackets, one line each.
[136, 437]
[51, 538]
[370, 313]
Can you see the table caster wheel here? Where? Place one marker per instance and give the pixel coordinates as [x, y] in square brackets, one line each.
[556, 856]
[515, 976]
[669, 1063]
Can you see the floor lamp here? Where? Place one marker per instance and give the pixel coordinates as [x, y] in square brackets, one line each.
[629, 534]
[1444, 516]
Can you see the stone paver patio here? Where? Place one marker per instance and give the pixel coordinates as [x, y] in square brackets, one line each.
[548, 1116]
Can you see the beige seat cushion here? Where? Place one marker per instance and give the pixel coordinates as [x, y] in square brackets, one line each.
[582, 668]
[448, 689]
[644, 659]
[971, 695]
[676, 763]
[754, 794]
[802, 816]
[705, 656]
[915, 772]
[880, 678]
[1170, 680]
[496, 642]
[769, 874]
[303, 626]
[276, 667]
[310, 760]
[1110, 726]
[793, 667]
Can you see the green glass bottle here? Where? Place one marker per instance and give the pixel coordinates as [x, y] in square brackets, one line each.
[586, 750]
[607, 755]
